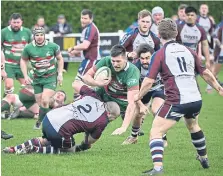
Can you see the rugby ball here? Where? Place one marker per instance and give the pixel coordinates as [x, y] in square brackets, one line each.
[103, 73]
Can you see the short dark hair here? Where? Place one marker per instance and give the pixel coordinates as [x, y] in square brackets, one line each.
[190, 9]
[87, 12]
[16, 16]
[65, 97]
[144, 48]
[182, 6]
[118, 50]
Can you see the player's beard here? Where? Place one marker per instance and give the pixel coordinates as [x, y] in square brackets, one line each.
[145, 66]
[15, 29]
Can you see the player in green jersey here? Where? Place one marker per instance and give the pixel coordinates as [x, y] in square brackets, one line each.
[123, 86]
[47, 63]
[13, 39]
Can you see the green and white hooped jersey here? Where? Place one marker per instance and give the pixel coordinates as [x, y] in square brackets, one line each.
[42, 58]
[13, 44]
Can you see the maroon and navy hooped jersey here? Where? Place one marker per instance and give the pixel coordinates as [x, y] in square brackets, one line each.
[86, 114]
[133, 39]
[177, 65]
[190, 36]
[91, 33]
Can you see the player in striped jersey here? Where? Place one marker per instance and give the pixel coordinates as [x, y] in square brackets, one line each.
[177, 66]
[47, 63]
[87, 114]
[13, 39]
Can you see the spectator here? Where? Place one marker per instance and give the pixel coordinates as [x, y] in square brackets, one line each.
[181, 13]
[61, 28]
[41, 23]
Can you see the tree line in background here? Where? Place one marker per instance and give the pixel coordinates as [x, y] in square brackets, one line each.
[109, 16]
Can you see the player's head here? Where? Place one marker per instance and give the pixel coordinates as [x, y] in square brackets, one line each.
[39, 35]
[16, 21]
[144, 20]
[144, 53]
[113, 110]
[60, 96]
[191, 15]
[181, 12]
[40, 21]
[204, 10]
[167, 29]
[157, 14]
[118, 57]
[86, 17]
[61, 19]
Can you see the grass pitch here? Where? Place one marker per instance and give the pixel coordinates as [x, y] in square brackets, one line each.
[108, 158]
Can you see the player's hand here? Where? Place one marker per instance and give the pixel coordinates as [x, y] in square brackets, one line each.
[70, 49]
[221, 91]
[119, 131]
[132, 55]
[28, 80]
[4, 75]
[103, 82]
[144, 109]
[60, 79]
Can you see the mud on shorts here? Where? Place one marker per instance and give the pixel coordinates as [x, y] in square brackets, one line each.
[13, 72]
[54, 137]
[41, 83]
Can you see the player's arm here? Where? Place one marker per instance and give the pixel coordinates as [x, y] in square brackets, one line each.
[205, 49]
[23, 65]
[206, 74]
[88, 78]
[129, 113]
[86, 144]
[60, 63]
[3, 73]
[82, 46]
[145, 87]
[77, 85]
[211, 80]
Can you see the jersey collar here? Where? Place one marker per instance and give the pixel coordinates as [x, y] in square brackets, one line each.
[34, 44]
[127, 66]
[9, 27]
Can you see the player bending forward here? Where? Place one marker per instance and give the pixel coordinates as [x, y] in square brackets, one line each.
[87, 114]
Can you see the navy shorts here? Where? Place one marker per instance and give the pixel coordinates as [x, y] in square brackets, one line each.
[176, 111]
[86, 64]
[153, 94]
[54, 137]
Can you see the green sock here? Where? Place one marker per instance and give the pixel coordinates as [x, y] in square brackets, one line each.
[42, 113]
[5, 106]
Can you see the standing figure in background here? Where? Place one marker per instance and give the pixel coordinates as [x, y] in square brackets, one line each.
[13, 39]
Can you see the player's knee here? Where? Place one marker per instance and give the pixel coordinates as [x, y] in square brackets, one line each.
[192, 126]
[45, 101]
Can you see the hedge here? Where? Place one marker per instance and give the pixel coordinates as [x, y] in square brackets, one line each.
[109, 16]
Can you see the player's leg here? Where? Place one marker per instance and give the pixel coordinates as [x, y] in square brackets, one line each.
[20, 77]
[85, 65]
[163, 121]
[158, 100]
[34, 141]
[197, 135]
[9, 81]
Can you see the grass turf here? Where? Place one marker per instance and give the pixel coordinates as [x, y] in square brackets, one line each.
[108, 157]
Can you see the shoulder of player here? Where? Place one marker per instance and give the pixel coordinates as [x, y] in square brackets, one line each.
[132, 68]
[199, 27]
[27, 29]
